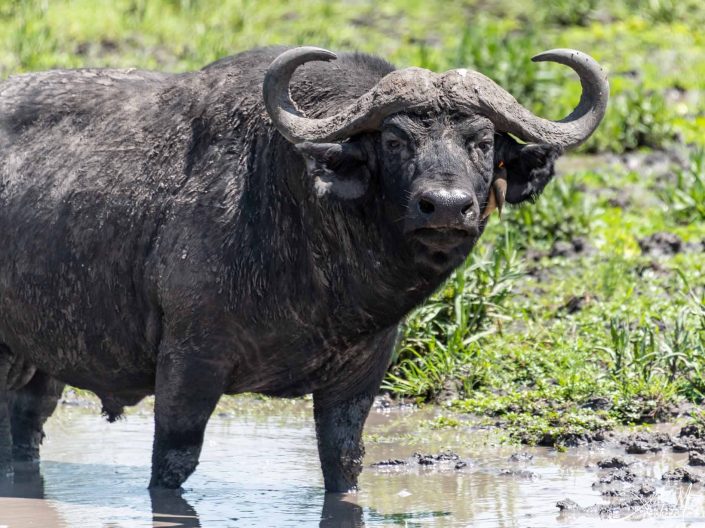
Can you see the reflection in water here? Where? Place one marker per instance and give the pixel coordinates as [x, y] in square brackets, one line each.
[26, 484]
[260, 468]
[339, 512]
[169, 508]
[23, 505]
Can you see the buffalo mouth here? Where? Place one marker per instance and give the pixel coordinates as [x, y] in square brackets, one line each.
[442, 249]
[442, 239]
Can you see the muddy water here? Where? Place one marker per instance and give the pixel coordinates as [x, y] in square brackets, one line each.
[259, 467]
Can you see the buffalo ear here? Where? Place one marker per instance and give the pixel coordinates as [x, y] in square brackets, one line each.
[338, 169]
[529, 167]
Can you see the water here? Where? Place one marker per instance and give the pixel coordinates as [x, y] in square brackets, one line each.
[259, 467]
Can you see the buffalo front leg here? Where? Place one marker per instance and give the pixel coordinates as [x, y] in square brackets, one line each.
[34, 403]
[186, 392]
[340, 419]
[340, 447]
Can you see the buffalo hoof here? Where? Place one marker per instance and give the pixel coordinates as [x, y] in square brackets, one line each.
[340, 484]
[169, 482]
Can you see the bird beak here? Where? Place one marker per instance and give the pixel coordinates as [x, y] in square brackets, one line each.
[498, 191]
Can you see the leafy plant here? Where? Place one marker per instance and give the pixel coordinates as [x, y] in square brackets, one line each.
[562, 212]
[441, 337]
[491, 47]
[647, 357]
[636, 117]
[569, 12]
[665, 11]
[686, 199]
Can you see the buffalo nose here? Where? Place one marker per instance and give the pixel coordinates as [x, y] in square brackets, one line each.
[445, 206]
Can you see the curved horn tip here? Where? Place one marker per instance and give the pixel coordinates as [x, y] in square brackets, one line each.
[308, 53]
[560, 54]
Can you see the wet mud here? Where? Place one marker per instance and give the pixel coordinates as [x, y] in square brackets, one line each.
[260, 468]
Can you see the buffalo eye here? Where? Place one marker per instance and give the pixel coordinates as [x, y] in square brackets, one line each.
[394, 140]
[485, 146]
[393, 144]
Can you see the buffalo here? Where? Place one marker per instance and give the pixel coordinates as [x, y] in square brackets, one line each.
[261, 225]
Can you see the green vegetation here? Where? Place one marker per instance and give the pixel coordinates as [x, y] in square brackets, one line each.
[686, 196]
[560, 324]
[582, 329]
[441, 339]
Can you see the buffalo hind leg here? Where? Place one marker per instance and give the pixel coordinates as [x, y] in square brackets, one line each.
[187, 390]
[5, 423]
[339, 420]
[34, 404]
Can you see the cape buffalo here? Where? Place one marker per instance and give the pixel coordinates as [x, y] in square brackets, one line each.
[261, 225]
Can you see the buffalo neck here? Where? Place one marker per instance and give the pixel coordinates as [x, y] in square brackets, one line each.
[338, 263]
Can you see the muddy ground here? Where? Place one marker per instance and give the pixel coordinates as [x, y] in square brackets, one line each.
[260, 468]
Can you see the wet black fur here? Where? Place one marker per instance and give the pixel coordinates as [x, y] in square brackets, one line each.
[159, 236]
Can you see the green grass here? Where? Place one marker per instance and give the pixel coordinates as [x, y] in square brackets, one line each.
[440, 345]
[523, 334]
[608, 324]
[685, 197]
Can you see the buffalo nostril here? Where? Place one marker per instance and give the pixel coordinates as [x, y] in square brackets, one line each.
[466, 209]
[426, 207]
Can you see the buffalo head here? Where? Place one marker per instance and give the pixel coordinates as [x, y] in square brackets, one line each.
[437, 146]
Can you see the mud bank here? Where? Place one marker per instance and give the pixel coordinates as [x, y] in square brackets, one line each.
[260, 468]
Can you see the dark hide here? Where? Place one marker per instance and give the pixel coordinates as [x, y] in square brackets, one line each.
[159, 236]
